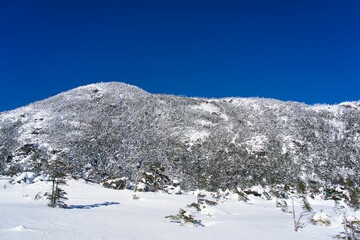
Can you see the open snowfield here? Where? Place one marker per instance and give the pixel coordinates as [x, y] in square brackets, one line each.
[98, 213]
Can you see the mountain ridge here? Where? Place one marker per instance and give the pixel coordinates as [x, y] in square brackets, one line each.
[105, 130]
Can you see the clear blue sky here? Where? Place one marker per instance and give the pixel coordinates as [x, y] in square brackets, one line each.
[307, 51]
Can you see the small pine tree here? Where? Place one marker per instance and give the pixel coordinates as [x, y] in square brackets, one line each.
[301, 187]
[353, 200]
[56, 170]
[155, 178]
[201, 202]
[241, 195]
[57, 197]
[184, 217]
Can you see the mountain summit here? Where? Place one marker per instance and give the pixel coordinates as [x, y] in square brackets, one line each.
[111, 130]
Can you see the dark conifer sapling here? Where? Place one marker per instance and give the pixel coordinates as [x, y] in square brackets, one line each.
[56, 170]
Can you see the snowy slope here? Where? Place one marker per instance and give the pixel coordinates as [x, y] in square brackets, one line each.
[104, 130]
[99, 213]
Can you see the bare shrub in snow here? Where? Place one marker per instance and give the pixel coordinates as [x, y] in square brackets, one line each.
[136, 197]
[306, 207]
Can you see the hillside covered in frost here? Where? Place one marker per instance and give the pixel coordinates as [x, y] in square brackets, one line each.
[112, 130]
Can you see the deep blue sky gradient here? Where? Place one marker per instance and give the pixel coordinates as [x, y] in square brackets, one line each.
[307, 51]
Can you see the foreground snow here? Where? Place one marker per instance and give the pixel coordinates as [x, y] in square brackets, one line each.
[99, 213]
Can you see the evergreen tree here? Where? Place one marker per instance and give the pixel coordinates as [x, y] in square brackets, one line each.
[56, 170]
[353, 200]
[155, 178]
[201, 202]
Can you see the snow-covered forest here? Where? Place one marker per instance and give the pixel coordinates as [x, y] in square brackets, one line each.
[264, 163]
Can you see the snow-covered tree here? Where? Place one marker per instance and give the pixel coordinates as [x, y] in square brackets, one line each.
[321, 218]
[174, 187]
[353, 200]
[154, 178]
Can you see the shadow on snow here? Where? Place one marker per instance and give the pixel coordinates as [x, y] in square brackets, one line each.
[92, 205]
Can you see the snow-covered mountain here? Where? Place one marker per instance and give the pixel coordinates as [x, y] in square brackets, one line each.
[110, 130]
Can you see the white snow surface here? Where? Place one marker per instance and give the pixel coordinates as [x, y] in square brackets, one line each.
[193, 136]
[99, 213]
[257, 143]
[208, 107]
